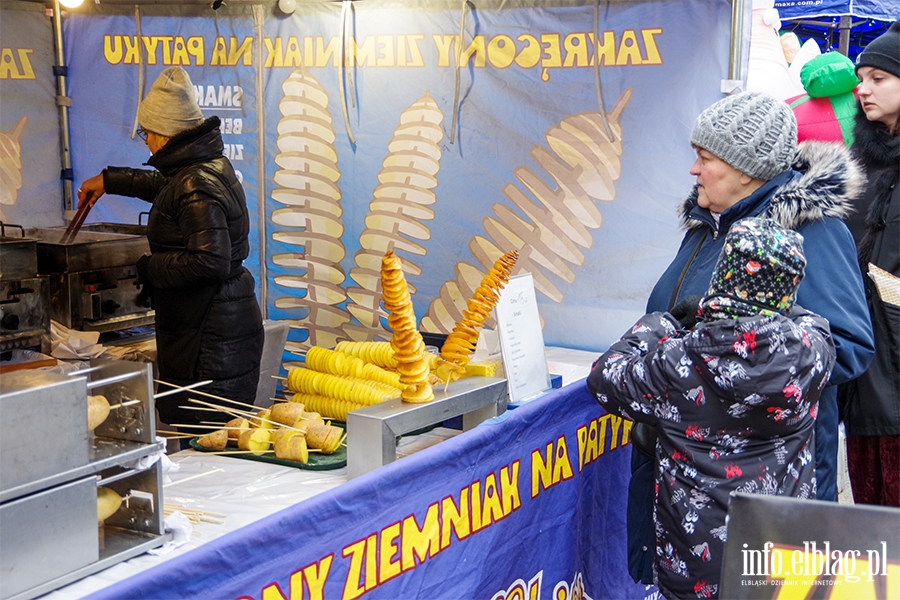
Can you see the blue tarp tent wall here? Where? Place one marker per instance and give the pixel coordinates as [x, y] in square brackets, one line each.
[883, 10]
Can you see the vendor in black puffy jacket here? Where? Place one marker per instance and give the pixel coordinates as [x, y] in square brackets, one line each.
[734, 400]
[208, 321]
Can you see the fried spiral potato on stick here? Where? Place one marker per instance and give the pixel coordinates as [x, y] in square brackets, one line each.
[359, 391]
[330, 408]
[406, 341]
[459, 345]
[376, 353]
[335, 362]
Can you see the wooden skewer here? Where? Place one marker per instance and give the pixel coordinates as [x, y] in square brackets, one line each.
[196, 518]
[174, 435]
[235, 412]
[279, 377]
[193, 477]
[208, 427]
[212, 395]
[251, 415]
[237, 452]
[232, 412]
[178, 388]
[121, 404]
[185, 509]
[280, 425]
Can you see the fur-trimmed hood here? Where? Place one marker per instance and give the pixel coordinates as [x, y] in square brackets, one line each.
[827, 182]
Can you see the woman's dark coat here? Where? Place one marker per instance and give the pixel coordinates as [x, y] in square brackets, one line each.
[872, 402]
[208, 322]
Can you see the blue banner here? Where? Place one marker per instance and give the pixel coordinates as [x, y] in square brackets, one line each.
[31, 191]
[529, 505]
[383, 129]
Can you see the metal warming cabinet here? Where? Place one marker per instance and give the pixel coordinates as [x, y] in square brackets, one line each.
[92, 278]
[24, 317]
[51, 468]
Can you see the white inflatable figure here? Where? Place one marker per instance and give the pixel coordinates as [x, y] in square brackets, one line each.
[790, 45]
[11, 164]
[768, 69]
[808, 51]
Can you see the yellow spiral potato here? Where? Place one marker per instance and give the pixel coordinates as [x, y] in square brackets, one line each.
[460, 343]
[406, 341]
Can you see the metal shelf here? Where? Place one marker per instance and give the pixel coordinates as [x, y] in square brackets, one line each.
[372, 431]
[104, 454]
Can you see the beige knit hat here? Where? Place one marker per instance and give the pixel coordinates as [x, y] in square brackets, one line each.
[170, 106]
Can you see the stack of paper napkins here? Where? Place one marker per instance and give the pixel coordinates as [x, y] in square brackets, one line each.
[888, 285]
[71, 344]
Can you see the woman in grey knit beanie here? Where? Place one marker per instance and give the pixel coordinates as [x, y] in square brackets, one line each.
[751, 132]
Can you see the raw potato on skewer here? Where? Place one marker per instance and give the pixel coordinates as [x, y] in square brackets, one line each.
[286, 413]
[108, 502]
[325, 438]
[98, 410]
[234, 428]
[262, 420]
[217, 440]
[292, 446]
[308, 420]
[360, 391]
[284, 432]
[258, 441]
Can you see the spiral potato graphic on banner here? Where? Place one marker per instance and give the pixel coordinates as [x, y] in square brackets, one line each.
[400, 202]
[11, 163]
[585, 164]
[311, 216]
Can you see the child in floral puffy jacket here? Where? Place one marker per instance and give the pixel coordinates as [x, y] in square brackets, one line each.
[734, 400]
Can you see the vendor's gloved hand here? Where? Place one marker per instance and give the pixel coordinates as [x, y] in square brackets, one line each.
[686, 311]
[145, 296]
[142, 266]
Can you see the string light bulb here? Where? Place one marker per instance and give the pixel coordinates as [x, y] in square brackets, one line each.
[287, 6]
[71, 3]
